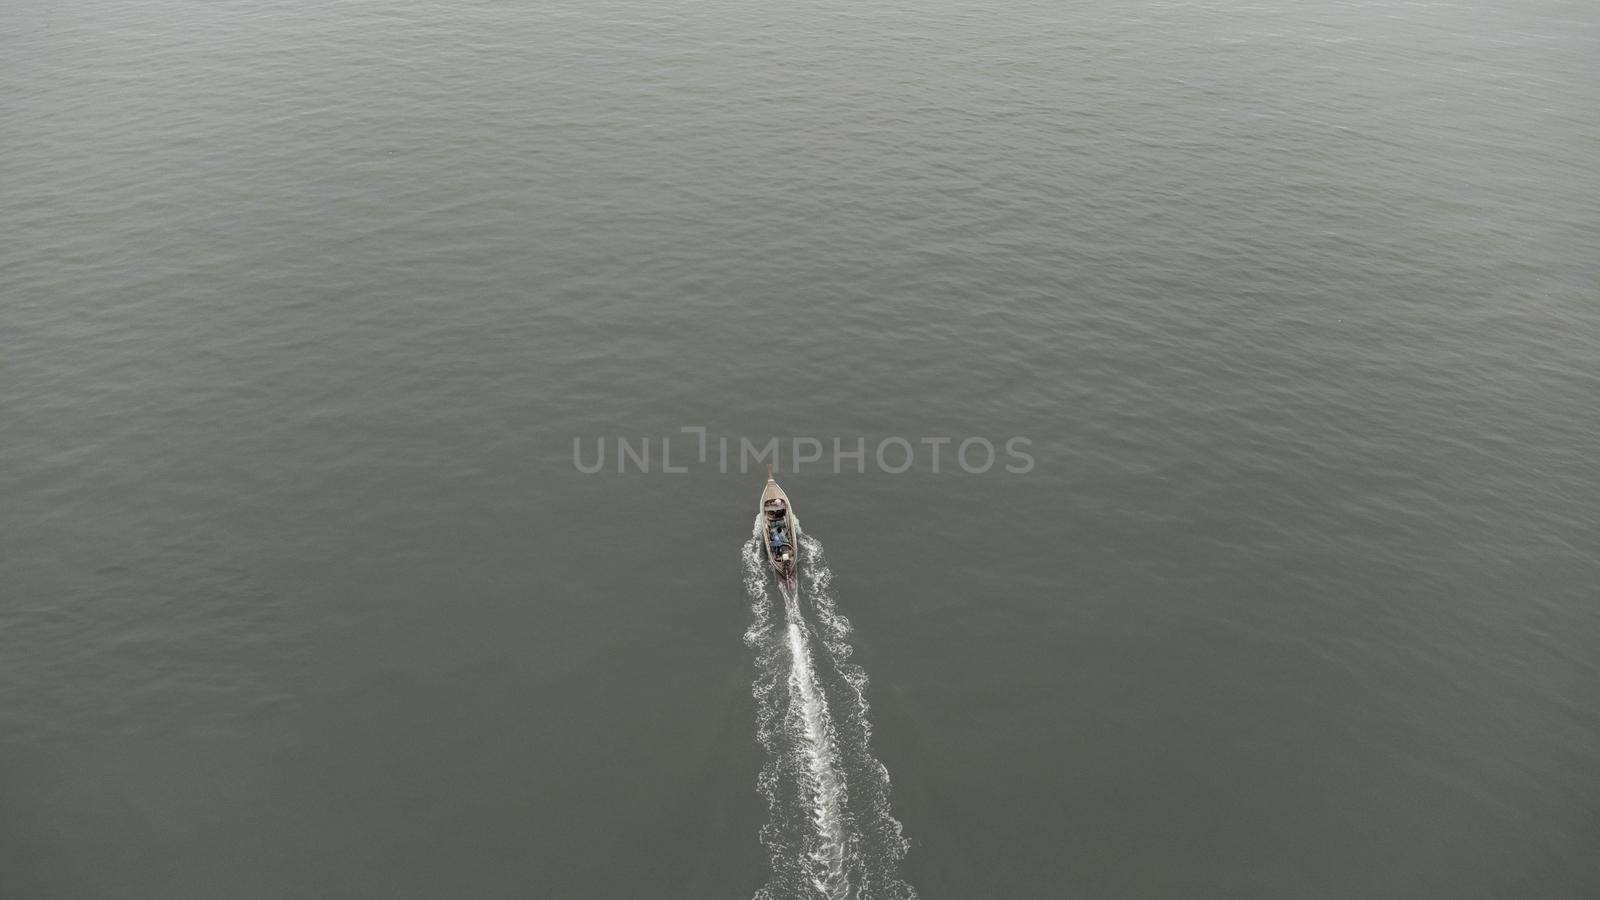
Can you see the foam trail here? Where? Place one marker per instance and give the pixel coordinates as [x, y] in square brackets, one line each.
[826, 788]
[830, 835]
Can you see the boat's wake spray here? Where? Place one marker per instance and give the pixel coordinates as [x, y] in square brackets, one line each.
[829, 833]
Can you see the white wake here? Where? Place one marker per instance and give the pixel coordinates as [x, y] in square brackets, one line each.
[830, 835]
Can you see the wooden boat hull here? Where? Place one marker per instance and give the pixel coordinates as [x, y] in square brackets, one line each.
[784, 564]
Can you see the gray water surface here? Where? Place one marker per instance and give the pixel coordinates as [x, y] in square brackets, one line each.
[303, 304]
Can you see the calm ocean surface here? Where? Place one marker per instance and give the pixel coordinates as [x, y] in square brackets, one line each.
[302, 306]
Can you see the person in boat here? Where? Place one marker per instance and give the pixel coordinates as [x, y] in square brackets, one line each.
[779, 541]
